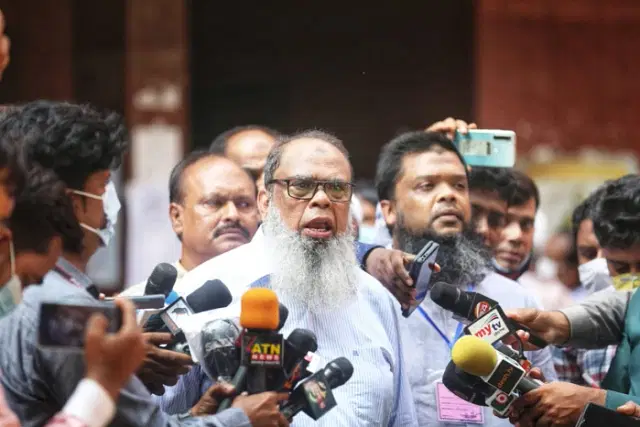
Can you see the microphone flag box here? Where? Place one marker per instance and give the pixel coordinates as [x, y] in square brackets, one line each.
[500, 402]
[505, 376]
[318, 395]
[263, 349]
[491, 327]
[172, 315]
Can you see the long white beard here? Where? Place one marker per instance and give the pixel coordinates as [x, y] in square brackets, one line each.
[318, 274]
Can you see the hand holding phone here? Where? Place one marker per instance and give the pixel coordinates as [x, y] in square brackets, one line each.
[420, 272]
[104, 351]
[487, 147]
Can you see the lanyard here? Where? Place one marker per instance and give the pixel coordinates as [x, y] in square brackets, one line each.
[456, 336]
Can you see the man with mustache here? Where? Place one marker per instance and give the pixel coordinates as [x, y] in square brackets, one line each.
[423, 187]
[304, 251]
[213, 209]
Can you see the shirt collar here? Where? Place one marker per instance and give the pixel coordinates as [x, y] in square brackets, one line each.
[71, 273]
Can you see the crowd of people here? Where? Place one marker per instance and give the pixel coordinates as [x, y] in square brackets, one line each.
[261, 209]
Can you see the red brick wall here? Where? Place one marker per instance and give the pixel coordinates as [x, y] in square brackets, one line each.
[559, 71]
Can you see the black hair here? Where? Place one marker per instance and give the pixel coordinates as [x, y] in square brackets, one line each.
[175, 179]
[73, 140]
[616, 217]
[584, 210]
[367, 190]
[275, 155]
[42, 211]
[12, 158]
[389, 166]
[494, 180]
[524, 189]
[219, 144]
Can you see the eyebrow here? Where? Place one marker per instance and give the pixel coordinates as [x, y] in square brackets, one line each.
[437, 175]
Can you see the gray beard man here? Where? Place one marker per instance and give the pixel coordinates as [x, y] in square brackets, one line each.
[320, 274]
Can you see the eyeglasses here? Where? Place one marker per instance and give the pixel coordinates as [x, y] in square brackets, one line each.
[305, 189]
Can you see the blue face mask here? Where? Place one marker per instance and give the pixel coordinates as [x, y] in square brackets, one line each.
[111, 206]
[11, 292]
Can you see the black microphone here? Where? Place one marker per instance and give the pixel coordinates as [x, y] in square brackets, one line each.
[220, 347]
[474, 390]
[210, 296]
[162, 279]
[294, 366]
[473, 305]
[314, 395]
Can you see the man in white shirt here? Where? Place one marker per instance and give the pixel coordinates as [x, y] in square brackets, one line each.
[304, 251]
[424, 194]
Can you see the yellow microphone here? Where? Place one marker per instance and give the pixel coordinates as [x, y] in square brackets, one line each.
[259, 309]
[477, 357]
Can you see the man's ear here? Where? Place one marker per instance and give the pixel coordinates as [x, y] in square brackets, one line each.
[388, 209]
[78, 204]
[263, 202]
[176, 217]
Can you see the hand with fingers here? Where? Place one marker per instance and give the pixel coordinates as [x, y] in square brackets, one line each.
[552, 326]
[103, 351]
[162, 367]
[630, 408]
[390, 267]
[210, 400]
[450, 126]
[263, 409]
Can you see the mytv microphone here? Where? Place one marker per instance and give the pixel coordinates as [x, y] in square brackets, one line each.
[314, 395]
[474, 306]
[219, 340]
[262, 346]
[210, 296]
[477, 357]
[474, 390]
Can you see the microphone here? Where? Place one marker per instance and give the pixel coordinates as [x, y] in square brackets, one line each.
[314, 395]
[221, 355]
[474, 390]
[477, 357]
[161, 280]
[261, 345]
[474, 306]
[210, 296]
[294, 367]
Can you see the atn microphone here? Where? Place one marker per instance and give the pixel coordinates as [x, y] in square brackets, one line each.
[221, 354]
[477, 357]
[489, 319]
[314, 395]
[210, 296]
[262, 347]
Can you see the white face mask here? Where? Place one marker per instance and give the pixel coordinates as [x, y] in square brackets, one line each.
[11, 292]
[111, 206]
[594, 275]
[547, 269]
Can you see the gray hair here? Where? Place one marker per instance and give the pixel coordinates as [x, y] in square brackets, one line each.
[275, 155]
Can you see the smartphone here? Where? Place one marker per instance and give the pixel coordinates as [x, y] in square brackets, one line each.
[420, 272]
[145, 302]
[64, 325]
[487, 147]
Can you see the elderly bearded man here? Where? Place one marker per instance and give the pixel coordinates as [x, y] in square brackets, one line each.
[304, 251]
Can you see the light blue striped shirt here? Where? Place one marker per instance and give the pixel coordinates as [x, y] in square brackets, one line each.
[431, 354]
[367, 333]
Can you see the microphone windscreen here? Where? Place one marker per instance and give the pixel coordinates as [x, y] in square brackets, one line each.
[474, 356]
[446, 296]
[161, 280]
[338, 371]
[303, 340]
[210, 296]
[465, 386]
[283, 314]
[259, 309]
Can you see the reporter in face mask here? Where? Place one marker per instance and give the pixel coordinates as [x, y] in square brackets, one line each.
[30, 243]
